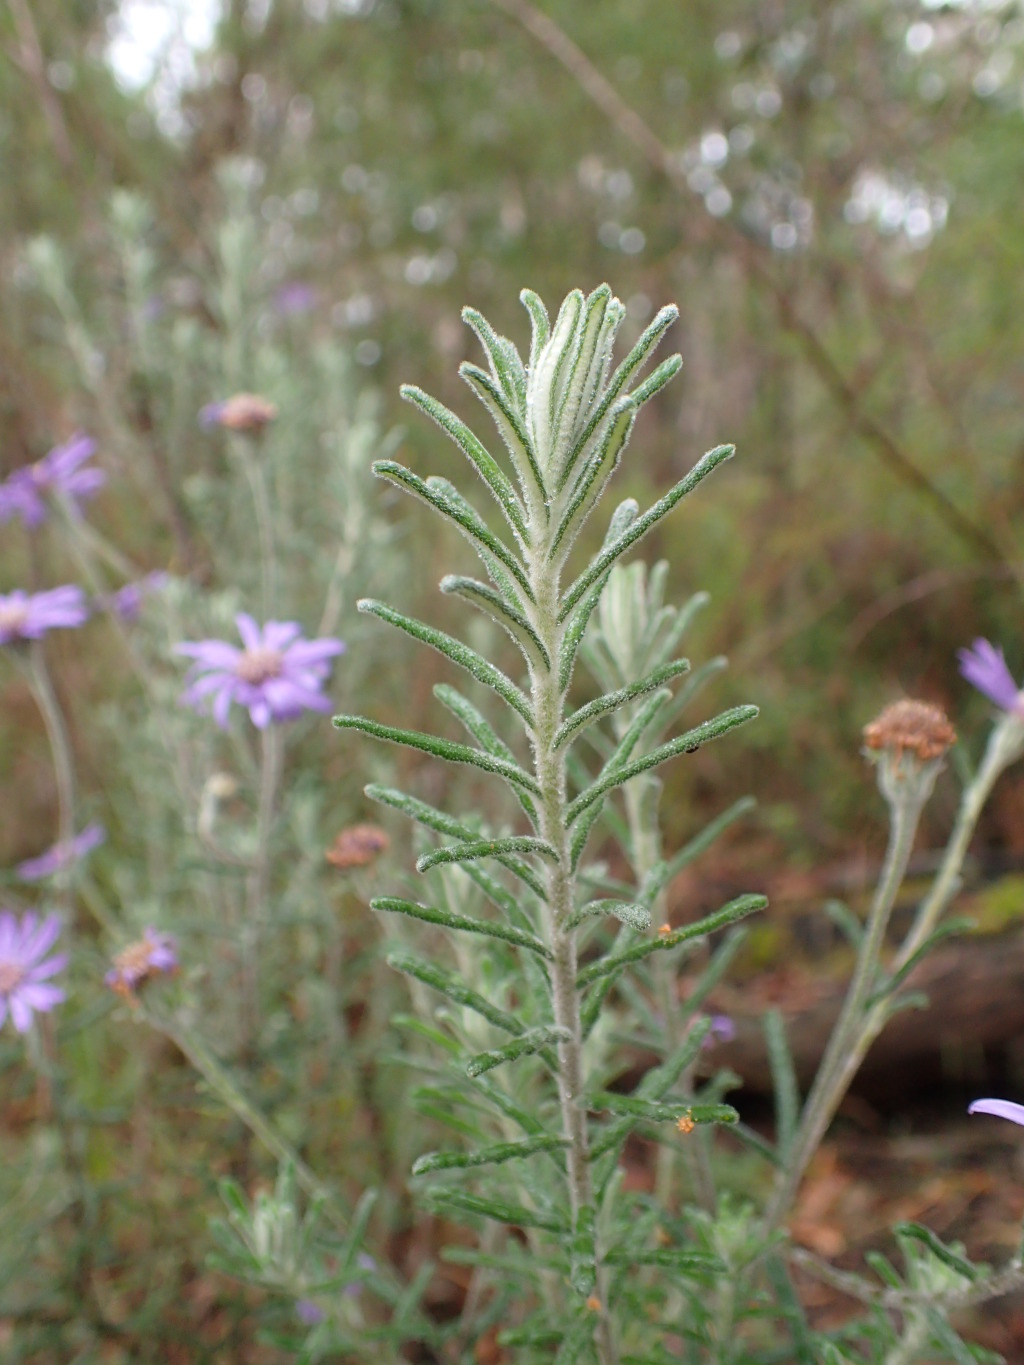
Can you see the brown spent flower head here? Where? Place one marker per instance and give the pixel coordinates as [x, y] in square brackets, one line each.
[357, 846]
[155, 954]
[244, 412]
[594, 1304]
[685, 1124]
[916, 727]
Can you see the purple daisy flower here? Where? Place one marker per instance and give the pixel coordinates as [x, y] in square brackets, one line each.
[1002, 1109]
[24, 988]
[277, 674]
[985, 668]
[24, 493]
[722, 1030]
[155, 954]
[61, 855]
[28, 616]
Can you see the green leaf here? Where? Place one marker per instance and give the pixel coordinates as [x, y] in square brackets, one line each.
[540, 327]
[654, 1112]
[459, 653]
[490, 471]
[626, 912]
[594, 479]
[435, 495]
[736, 909]
[510, 427]
[510, 591]
[510, 620]
[787, 1093]
[670, 1258]
[612, 701]
[444, 823]
[584, 369]
[444, 1200]
[503, 358]
[533, 1041]
[440, 748]
[845, 921]
[649, 339]
[684, 744]
[582, 1253]
[917, 1232]
[642, 525]
[449, 920]
[622, 518]
[494, 848]
[657, 379]
[486, 1156]
[446, 983]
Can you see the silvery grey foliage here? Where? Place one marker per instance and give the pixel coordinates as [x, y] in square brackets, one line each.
[564, 416]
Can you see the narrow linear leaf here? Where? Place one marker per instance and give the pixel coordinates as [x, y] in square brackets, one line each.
[444, 823]
[511, 591]
[505, 1103]
[535, 1040]
[511, 429]
[540, 326]
[440, 748]
[917, 1232]
[503, 358]
[845, 921]
[455, 650]
[510, 620]
[643, 524]
[596, 473]
[473, 527]
[671, 1258]
[787, 1093]
[583, 1252]
[736, 909]
[623, 517]
[654, 1112]
[684, 744]
[958, 925]
[494, 848]
[650, 337]
[449, 920]
[613, 701]
[442, 1199]
[487, 467]
[657, 379]
[626, 912]
[486, 1156]
[448, 984]
[582, 370]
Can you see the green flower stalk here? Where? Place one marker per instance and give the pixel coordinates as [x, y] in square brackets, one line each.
[565, 418]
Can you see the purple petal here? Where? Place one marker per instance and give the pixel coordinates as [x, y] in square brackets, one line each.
[21, 1011]
[306, 652]
[1001, 1109]
[38, 996]
[35, 945]
[211, 653]
[984, 667]
[50, 967]
[252, 636]
[222, 705]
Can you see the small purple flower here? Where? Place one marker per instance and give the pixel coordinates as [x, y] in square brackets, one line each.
[28, 616]
[155, 954]
[722, 1030]
[294, 298]
[24, 989]
[985, 668]
[308, 1313]
[61, 856]
[23, 494]
[1002, 1109]
[127, 602]
[277, 674]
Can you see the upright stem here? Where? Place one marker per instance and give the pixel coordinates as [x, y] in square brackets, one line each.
[850, 1038]
[248, 453]
[551, 778]
[60, 749]
[256, 891]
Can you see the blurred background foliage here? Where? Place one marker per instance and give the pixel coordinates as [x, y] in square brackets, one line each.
[830, 190]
